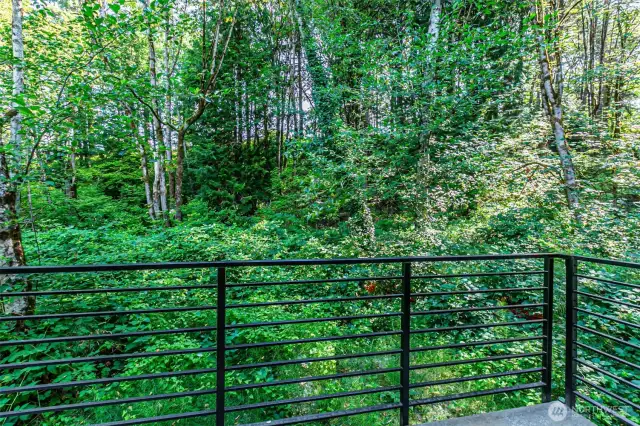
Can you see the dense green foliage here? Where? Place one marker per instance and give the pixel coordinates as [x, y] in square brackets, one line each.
[331, 129]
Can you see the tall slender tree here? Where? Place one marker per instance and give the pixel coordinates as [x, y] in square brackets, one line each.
[11, 250]
[549, 21]
[159, 184]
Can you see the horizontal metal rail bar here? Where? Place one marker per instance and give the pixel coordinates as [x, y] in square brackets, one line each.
[104, 381]
[309, 301]
[478, 274]
[474, 326]
[105, 336]
[447, 398]
[480, 343]
[607, 299]
[608, 262]
[606, 409]
[104, 403]
[105, 313]
[100, 358]
[104, 290]
[254, 263]
[312, 379]
[313, 340]
[604, 280]
[309, 360]
[606, 336]
[269, 404]
[493, 290]
[327, 416]
[476, 360]
[609, 393]
[610, 318]
[613, 357]
[311, 320]
[158, 419]
[479, 308]
[606, 373]
[314, 281]
[474, 378]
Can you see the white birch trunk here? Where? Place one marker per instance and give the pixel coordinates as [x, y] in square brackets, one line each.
[156, 174]
[142, 136]
[434, 22]
[72, 190]
[18, 75]
[11, 250]
[554, 109]
[160, 186]
[168, 110]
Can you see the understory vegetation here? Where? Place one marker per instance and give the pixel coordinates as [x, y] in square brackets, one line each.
[183, 131]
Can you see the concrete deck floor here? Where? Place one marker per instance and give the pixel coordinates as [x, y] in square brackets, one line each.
[535, 415]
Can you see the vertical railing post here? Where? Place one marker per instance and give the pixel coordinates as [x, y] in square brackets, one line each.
[406, 343]
[221, 346]
[571, 320]
[547, 343]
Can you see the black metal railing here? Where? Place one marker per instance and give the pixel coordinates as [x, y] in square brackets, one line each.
[596, 306]
[389, 315]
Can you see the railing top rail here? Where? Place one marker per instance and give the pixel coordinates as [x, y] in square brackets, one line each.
[266, 262]
[295, 262]
[608, 262]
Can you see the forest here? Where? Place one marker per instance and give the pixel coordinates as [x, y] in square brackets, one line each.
[195, 130]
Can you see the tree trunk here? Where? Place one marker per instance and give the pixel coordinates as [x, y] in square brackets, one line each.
[73, 185]
[160, 180]
[247, 112]
[553, 106]
[279, 108]
[300, 85]
[145, 178]
[140, 135]
[265, 125]
[255, 120]
[237, 106]
[168, 107]
[618, 84]
[180, 173]
[434, 22]
[17, 40]
[11, 251]
[593, 28]
[151, 137]
[584, 88]
[602, 89]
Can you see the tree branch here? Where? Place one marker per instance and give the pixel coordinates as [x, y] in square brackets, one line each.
[151, 109]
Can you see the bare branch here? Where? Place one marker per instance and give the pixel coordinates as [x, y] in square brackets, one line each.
[151, 109]
[214, 76]
[565, 15]
[214, 48]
